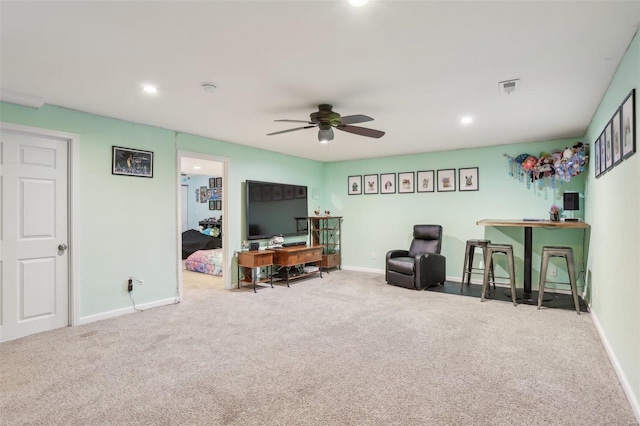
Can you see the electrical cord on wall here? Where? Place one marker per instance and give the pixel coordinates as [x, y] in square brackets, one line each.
[134, 303]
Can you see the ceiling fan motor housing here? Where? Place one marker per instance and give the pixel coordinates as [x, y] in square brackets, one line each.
[325, 116]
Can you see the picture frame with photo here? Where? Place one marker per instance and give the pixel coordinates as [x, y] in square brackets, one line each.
[603, 166]
[424, 181]
[218, 204]
[406, 182]
[212, 204]
[371, 184]
[446, 180]
[288, 192]
[203, 194]
[212, 182]
[608, 149]
[131, 162]
[615, 137]
[355, 185]
[387, 183]
[468, 179]
[596, 161]
[218, 182]
[628, 125]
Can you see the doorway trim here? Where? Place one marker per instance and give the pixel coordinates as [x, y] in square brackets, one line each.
[227, 254]
[73, 207]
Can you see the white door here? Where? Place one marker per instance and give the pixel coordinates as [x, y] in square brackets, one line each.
[184, 200]
[34, 286]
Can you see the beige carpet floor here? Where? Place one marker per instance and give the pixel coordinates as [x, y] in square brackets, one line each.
[346, 349]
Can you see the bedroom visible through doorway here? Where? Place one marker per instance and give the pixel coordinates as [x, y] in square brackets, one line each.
[203, 262]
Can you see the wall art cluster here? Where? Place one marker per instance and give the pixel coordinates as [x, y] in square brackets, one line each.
[444, 180]
[618, 138]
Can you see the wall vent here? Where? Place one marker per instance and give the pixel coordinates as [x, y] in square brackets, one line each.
[509, 86]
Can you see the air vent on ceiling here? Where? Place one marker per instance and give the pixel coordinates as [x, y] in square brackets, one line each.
[509, 86]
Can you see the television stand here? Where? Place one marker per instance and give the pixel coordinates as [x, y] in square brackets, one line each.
[289, 257]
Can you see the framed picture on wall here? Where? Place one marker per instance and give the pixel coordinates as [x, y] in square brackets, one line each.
[468, 179]
[596, 161]
[203, 194]
[446, 180]
[212, 204]
[406, 182]
[218, 182]
[615, 136]
[424, 181]
[603, 166]
[355, 185]
[388, 183]
[131, 162]
[628, 123]
[212, 182]
[370, 184]
[608, 149]
[218, 204]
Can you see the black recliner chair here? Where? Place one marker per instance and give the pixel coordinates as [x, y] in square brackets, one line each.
[422, 265]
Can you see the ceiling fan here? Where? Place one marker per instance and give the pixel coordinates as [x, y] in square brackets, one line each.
[325, 119]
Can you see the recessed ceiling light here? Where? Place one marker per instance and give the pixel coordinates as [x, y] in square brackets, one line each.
[197, 167]
[466, 120]
[149, 88]
[358, 3]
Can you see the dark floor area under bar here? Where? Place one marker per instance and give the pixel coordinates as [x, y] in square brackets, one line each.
[552, 300]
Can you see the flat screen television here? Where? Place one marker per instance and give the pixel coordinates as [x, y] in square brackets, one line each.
[275, 209]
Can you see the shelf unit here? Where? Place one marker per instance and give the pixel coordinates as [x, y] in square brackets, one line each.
[325, 231]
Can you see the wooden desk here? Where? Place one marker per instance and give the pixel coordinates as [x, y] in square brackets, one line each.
[288, 257]
[528, 226]
[255, 259]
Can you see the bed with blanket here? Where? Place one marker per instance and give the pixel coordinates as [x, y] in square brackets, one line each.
[193, 241]
[205, 261]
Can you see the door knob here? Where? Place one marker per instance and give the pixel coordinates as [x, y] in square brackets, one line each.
[62, 247]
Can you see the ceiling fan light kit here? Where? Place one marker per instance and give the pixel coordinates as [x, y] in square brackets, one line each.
[326, 120]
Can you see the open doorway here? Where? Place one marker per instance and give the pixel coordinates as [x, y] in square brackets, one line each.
[203, 258]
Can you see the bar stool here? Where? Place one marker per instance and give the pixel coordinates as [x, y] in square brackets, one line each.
[506, 249]
[567, 253]
[468, 261]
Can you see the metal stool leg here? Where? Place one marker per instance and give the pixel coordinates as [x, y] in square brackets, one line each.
[543, 276]
[466, 271]
[485, 281]
[512, 276]
[572, 280]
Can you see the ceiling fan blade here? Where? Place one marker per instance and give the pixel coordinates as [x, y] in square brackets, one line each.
[362, 131]
[353, 119]
[290, 130]
[295, 121]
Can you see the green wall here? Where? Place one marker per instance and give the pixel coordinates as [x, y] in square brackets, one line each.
[381, 222]
[128, 225]
[613, 203]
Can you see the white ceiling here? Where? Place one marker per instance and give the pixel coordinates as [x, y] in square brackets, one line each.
[416, 67]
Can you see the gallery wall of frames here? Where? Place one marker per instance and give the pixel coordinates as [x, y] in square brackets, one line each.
[618, 138]
[444, 180]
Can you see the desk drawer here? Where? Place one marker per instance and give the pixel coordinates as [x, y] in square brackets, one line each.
[263, 260]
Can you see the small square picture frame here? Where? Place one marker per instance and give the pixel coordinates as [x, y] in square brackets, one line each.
[355, 185]
[406, 183]
[387, 183]
[468, 179]
[424, 181]
[371, 184]
[446, 180]
[628, 125]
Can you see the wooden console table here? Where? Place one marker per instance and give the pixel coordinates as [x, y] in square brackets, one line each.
[255, 259]
[289, 257]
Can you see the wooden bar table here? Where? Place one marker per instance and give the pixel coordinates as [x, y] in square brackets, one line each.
[528, 225]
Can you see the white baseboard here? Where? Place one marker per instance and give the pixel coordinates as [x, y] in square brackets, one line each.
[359, 269]
[633, 399]
[128, 310]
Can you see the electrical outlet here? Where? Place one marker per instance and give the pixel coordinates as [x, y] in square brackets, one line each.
[130, 285]
[554, 272]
